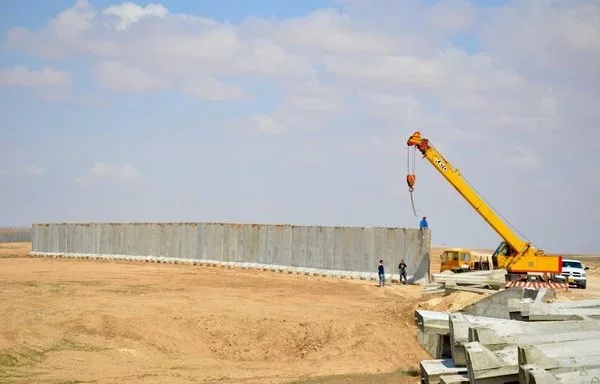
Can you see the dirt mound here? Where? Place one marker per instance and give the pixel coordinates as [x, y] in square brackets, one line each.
[594, 271]
[452, 302]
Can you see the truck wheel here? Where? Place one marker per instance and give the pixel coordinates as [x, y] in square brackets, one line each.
[583, 285]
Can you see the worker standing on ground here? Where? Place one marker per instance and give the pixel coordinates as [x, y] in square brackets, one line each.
[402, 271]
[423, 224]
[381, 273]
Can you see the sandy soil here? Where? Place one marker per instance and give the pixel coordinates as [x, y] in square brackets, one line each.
[109, 322]
[67, 321]
[15, 249]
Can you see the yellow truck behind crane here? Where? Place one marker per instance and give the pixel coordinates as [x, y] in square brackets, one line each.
[521, 259]
[464, 260]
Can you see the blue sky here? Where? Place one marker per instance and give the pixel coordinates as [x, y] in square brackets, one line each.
[298, 112]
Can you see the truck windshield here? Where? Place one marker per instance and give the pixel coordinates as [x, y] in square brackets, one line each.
[571, 264]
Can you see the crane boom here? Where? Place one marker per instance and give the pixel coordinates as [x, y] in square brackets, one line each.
[514, 254]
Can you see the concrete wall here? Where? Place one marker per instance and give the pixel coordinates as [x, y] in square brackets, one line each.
[330, 248]
[15, 234]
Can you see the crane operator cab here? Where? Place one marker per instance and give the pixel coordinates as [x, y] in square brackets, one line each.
[503, 250]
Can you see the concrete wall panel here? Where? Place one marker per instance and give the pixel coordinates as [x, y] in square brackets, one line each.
[348, 249]
[133, 240]
[278, 245]
[317, 255]
[244, 243]
[299, 246]
[257, 244]
[261, 244]
[144, 239]
[327, 236]
[155, 230]
[106, 239]
[334, 248]
[187, 241]
[165, 237]
[62, 238]
[230, 242]
[54, 237]
[41, 238]
[338, 249]
[88, 238]
[212, 242]
[312, 247]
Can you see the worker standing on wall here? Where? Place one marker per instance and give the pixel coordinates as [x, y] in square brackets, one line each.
[402, 271]
[381, 273]
[423, 224]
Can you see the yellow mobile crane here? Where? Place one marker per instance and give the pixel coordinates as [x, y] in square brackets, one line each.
[520, 258]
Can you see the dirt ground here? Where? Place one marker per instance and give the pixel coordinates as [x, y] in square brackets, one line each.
[82, 321]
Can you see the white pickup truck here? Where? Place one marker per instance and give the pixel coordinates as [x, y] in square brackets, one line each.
[574, 272]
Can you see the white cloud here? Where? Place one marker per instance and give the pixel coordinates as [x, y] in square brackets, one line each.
[330, 30]
[72, 22]
[118, 77]
[128, 172]
[311, 157]
[314, 97]
[403, 109]
[393, 70]
[33, 169]
[451, 15]
[25, 77]
[12, 170]
[361, 148]
[522, 157]
[208, 88]
[258, 123]
[130, 13]
[107, 172]
[101, 170]
[269, 59]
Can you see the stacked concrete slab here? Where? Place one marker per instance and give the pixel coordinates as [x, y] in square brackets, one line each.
[477, 349]
[474, 281]
[352, 252]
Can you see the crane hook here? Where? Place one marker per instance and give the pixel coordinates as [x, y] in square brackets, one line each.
[410, 180]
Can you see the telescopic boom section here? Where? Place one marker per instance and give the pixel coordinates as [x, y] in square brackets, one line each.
[522, 257]
[454, 177]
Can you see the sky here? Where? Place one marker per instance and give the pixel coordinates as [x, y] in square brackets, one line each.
[298, 112]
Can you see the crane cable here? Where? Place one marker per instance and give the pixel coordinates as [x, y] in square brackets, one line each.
[486, 202]
[411, 177]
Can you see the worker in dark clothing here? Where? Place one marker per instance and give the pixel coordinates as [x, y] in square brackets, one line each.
[423, 224]
[402, 271]
[381, 273]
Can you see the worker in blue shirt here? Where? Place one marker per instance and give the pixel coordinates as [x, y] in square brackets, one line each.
[423, 224]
